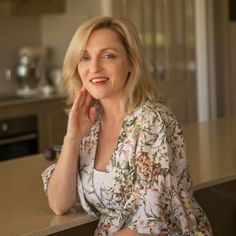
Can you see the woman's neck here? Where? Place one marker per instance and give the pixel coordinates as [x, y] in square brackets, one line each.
[112, 113]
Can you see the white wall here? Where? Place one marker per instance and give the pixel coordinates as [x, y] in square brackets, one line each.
[58, 29]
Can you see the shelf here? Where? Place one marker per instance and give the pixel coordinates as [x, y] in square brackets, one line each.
[31, 7]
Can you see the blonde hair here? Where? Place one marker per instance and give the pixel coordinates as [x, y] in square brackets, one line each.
[140, 85]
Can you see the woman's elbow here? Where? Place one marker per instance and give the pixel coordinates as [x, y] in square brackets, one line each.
[59, 209]
[58, 212]
[61, 206]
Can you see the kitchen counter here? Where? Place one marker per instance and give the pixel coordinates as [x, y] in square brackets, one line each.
[23, 204]
[13, 99]
[211, 151]
[211, 148]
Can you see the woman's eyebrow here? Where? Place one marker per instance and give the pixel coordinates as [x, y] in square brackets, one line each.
[114, 49]
[105, 49]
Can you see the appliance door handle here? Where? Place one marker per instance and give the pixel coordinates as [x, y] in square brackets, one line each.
[18, 139]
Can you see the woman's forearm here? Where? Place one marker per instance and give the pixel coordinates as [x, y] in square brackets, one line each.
[130, 232]
[126, 232]
[62, 185]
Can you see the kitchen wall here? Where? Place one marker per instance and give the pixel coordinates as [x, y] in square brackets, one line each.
[58, 29]
[53, 31]
[16, 32]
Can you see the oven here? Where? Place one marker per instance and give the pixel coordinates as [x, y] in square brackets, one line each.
[18, 137]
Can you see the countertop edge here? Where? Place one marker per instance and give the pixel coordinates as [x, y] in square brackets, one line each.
[32, 99]
[60, 227]
[213, 182]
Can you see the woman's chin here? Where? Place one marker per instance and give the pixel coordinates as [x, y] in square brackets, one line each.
[97, 96]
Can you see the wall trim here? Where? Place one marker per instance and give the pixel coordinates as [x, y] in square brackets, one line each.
[202, 60]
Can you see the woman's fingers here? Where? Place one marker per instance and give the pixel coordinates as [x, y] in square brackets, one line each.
[88, 101]
[82, 115]
[83, 102]
[79, 101]
[75, 105]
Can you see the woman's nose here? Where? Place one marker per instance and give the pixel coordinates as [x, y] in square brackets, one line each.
[95, 65]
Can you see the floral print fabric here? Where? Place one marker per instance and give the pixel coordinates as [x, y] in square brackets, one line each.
[147, 186]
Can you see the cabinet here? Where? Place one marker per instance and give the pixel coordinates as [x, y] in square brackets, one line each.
[50, 115]
[167, 31]
[219, 198]
[87, 229]
[31, 7]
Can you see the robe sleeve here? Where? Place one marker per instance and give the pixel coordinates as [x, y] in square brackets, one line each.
[46, 175]
[165, 203]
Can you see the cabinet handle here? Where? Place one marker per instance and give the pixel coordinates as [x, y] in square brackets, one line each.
[21, 138]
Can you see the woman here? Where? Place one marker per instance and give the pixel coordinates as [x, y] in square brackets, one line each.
[128, 146]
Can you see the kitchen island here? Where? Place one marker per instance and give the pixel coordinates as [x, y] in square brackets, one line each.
[211, 149]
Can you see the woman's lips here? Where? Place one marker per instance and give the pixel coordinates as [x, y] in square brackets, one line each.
[99, 81]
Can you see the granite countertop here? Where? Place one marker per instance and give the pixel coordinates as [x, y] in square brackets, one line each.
[23, 203]
[211, 149]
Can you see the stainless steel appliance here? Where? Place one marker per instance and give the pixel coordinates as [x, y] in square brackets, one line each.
[18, 137]
[29, 70]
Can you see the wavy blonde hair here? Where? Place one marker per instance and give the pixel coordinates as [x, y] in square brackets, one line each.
[139, 87]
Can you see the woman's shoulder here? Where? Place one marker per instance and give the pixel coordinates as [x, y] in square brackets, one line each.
[153, 110]
[155, 107]
[152, 115]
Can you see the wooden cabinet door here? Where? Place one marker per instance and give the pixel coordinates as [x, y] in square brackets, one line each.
[57, 123]
[166, 28]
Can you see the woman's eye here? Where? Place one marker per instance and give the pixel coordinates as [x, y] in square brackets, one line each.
[108, 56]
[84, 58]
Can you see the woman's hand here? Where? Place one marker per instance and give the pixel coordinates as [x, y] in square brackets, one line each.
[81, 117]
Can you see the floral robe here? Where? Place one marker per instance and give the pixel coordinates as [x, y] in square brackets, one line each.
[147, 186]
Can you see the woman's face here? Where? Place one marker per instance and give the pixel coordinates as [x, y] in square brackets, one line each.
[104, 66]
